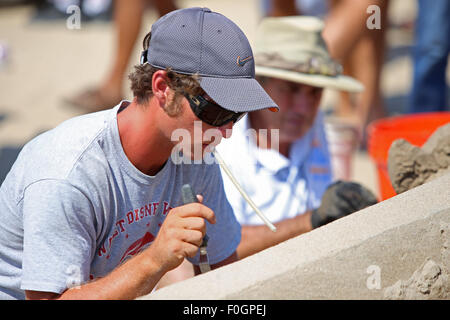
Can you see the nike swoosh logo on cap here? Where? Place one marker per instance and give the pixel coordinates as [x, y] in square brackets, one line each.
[241, 62]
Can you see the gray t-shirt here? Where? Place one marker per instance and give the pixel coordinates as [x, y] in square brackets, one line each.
[73, 207]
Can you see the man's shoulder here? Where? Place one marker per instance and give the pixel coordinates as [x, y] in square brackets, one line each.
[66, 143]
[54, 153]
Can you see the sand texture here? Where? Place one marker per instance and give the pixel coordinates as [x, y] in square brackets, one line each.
[410, 166]
[431, 281]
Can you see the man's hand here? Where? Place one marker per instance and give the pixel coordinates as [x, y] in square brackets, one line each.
[340, 199]
[180, 235]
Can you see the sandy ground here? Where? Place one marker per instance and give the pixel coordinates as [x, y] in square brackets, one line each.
[47, 61]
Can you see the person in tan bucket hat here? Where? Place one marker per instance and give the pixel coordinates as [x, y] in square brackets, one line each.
[281, 159]
[292, 49]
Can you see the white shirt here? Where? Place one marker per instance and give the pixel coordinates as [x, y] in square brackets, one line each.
[281, 187]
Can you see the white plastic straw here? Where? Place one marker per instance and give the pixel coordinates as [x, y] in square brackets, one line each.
[242, 192]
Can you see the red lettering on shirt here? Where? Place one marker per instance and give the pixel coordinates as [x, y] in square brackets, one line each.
[148, 210]
[102, 250]
[130, 217]
[120, 223]
[110, 239]
[167, 208]
[136, 211]
[135, 215]
[155, 207]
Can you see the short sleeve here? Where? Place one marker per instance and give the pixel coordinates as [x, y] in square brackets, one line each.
[59, 236]
[225, 235]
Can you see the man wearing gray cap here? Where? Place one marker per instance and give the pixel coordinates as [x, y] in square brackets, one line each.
[93, 209]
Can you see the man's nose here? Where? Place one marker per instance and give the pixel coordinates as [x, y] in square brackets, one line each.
[226, 130]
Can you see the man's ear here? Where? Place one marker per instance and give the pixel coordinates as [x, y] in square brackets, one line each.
[160, 87]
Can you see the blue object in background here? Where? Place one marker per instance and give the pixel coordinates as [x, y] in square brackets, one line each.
[430, 56]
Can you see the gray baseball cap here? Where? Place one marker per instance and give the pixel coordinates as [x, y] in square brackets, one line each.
[197, 40]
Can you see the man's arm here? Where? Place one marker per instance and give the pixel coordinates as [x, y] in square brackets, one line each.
[134, 278]
[257, 238]
[180, 236]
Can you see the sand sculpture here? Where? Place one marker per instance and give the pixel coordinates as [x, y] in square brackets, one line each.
[431, 281]
[410, 166]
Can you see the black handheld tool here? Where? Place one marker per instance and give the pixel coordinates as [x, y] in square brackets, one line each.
[189, 197]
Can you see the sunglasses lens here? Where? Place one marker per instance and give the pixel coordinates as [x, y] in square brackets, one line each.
[240, 116]
[213, 114]
[218, 116]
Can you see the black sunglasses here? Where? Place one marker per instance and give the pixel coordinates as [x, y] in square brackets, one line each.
[211, 113]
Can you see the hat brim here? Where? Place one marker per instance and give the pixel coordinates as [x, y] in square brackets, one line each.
[238, 94]
[341, 82]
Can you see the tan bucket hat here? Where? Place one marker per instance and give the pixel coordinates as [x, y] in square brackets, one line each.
[292, 48]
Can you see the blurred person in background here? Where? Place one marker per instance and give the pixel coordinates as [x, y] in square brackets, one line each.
[430, 57]
[128, 16]
[360, 50]
[282, 160]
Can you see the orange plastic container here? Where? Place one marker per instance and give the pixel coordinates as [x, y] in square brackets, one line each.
[415, 128]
